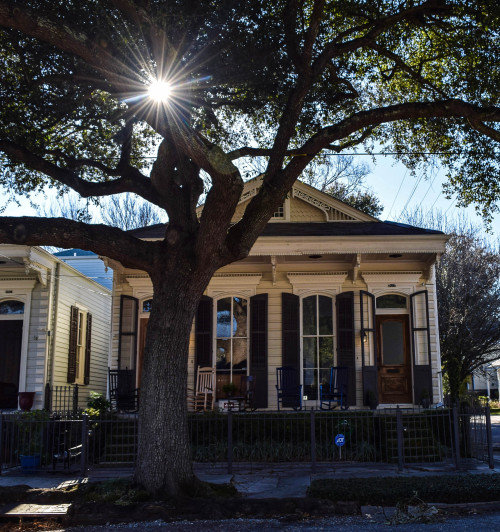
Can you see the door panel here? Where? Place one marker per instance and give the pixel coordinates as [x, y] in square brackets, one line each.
[394, 365]
[11, 332]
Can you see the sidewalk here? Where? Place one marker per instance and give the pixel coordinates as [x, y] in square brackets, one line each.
[257, 481]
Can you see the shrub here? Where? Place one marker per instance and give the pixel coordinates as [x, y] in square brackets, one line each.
[457, 488]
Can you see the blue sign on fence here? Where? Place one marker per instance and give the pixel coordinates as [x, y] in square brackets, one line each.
[340, 440]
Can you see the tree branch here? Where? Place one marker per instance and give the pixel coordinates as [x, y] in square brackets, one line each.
[61, 232]
[131, 181]
[96, 54]
[481, 127]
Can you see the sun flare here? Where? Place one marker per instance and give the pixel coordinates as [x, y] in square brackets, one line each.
[160, 91]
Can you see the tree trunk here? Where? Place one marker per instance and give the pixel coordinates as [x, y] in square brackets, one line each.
[164, 455]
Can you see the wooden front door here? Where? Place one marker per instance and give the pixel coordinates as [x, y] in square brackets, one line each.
[394, 361]
[11, 332]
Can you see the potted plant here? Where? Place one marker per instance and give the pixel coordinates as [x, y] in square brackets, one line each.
[229, 389]
[31, 425]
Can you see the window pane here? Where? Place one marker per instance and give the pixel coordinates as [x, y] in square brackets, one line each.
[391, 301]
[393, 343]
[309, 315]
[240, 311]
[325, 315]
[223, 354]
[240, 354]
[11, 307]
[326, 352]
[147, 305]
[224, 318]
[310, 384]
[309, 352]
[324, 375]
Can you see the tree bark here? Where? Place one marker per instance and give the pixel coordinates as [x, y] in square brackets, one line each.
[164, 459]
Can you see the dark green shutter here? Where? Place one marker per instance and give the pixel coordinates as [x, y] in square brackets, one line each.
[290, 330]
[73, 337]
[203, 334]
[345, 340]
[422, 373]
[88, 341]
[258, 347]
[368, 333]
[127, 335]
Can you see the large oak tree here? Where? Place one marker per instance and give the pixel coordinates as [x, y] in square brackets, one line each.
[285, 80]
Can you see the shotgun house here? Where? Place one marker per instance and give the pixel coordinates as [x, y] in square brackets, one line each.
[54, 327]
[324, 285]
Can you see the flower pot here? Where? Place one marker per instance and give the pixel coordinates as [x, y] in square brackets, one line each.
[30, 463]
[26, 400]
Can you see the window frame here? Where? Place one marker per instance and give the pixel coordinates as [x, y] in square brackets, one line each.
[215, 337]
[333, 336]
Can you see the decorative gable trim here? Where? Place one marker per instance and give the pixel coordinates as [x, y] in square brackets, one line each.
[330, 212]
[329, 283]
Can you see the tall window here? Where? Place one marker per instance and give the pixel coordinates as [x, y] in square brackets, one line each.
[232, 339]
[317, 343]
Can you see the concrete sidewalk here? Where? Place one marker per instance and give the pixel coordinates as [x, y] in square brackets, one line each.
[257, 480]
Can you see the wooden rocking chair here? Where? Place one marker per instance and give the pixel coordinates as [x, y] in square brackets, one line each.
[203, 397]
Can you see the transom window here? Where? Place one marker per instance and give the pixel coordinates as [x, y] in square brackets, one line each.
[147, 305]
[231, 354]
[391, 301]
[317, 343]
[11, 307]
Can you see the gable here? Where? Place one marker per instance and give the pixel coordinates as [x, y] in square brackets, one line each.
[303, 204]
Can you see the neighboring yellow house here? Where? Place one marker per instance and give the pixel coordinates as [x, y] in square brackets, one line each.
[325, 284]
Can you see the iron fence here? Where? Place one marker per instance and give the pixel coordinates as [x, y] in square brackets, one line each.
[401, 437]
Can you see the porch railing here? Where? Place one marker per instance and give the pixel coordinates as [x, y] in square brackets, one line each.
[399, 437]
[61, 399]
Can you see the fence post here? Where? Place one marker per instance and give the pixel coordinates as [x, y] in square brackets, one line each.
[1, 442]
[85, 440]
[230, 443]
[313, 441]
[489, 438]
[456, 437]
[75, 399]
[399, 431]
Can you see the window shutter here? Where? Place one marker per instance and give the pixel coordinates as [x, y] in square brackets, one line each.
[73, 337]
[368, 347]
[290, 330]
[127, 335]
[258, 347]
[421, 346]
[345, 339]
[88, 341]
[203, 334]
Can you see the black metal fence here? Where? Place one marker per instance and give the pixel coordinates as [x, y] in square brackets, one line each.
[400, 437]
[61, 399]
